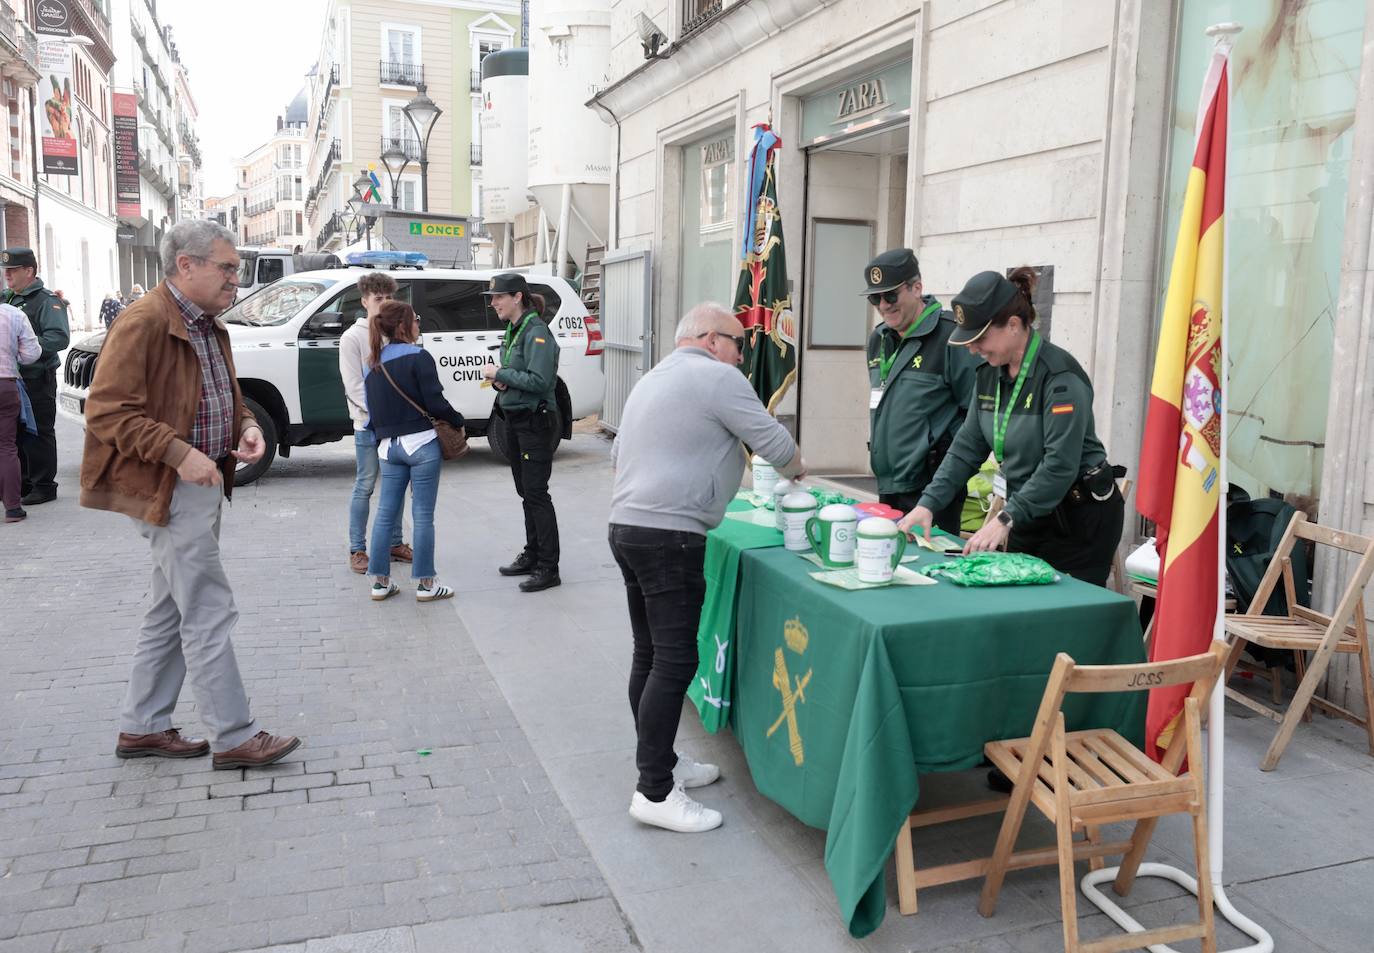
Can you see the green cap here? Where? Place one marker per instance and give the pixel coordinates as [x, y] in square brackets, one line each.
[892, 269]
[983, 298]
[18, 258]
[507, 284]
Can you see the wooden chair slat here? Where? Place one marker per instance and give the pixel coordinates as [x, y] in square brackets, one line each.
[1131, 772]
[1102, 774]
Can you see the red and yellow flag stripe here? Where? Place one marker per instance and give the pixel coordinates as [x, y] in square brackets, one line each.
[1180, 466]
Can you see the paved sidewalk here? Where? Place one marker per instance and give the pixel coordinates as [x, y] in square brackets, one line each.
[512, 834]
[355, 832]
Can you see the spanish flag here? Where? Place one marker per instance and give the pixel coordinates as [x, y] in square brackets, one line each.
[1180, 462]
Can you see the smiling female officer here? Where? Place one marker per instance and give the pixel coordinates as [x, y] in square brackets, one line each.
[920, 389]
[525, 384]
[1033, 411]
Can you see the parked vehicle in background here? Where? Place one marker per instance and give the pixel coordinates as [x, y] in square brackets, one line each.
[259, 267]
[286, 353]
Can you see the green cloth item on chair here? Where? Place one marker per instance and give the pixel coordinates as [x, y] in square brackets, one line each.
[979, 499]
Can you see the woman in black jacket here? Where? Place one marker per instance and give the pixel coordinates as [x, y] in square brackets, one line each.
[397, 374]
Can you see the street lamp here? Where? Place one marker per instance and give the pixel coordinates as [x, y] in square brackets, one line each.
[396, 162]
[423, 113]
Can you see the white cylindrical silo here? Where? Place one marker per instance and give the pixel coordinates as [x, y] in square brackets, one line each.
[505, 135]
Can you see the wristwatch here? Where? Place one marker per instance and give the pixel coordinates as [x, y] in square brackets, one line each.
[1004, 518]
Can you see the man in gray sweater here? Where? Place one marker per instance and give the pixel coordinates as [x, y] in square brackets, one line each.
[678, 463]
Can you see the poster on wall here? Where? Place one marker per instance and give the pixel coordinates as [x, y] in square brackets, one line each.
[128, 198]
[52, 18]
[55, 93]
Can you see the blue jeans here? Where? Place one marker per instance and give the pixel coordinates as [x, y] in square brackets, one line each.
[365, 446]
[421, 471]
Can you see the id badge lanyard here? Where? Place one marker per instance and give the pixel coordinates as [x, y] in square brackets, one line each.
[885, 362]
[999, 422]
[512, 340]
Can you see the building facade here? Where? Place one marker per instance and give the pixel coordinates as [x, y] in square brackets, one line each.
[19, 75]
[145, 69]
[78, 251]
[374, 57]
[270, 190]
[987, 134]
[190, 165]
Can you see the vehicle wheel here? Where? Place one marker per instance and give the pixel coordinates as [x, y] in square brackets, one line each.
[246, 473]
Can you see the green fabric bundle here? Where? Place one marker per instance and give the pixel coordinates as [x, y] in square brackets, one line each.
[995, 569]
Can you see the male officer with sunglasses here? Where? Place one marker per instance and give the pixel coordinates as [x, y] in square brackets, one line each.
[921, 386]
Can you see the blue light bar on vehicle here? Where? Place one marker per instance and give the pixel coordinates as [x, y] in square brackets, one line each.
[380, 258]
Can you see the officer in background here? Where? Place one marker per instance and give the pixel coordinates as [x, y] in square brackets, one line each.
[920, 386]
[525, 382]
[1034, 413]
[47, 313]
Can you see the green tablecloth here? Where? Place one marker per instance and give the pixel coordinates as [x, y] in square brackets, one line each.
[842, 698]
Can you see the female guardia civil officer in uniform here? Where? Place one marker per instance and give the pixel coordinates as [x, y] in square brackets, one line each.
[525, 384]
[1033, 410]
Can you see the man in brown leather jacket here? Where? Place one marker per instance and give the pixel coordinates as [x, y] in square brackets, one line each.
[165, 425]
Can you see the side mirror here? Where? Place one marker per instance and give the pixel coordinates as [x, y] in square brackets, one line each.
[326, 321]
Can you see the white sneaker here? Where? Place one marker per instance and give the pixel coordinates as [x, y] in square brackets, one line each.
[677, 812]
[691, 773]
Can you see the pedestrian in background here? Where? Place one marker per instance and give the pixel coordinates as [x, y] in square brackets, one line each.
[165, 425]
[47, 314]
[18, 345]
[403, 395]
[678, 462]
[525, 384]
[135, 293]
[375, 288]
[110, 308]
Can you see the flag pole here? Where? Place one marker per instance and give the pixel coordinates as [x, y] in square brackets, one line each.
[1223, 35]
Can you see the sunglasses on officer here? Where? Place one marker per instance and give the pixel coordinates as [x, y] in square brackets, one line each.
[887, 297]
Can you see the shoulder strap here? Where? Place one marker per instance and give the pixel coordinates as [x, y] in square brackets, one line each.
[382, 367]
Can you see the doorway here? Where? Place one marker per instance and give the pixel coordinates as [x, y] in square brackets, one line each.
[855, 208]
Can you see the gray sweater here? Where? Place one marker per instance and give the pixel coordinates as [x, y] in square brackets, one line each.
[678, 459]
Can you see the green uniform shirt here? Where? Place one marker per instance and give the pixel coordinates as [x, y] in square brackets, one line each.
[48, 315]
[529, 365]
[927, 390]
[1050, 440]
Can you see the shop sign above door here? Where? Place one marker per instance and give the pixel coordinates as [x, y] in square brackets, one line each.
[878, 98]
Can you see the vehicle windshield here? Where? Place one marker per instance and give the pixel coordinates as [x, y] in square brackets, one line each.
[278, 302]
[248, 261]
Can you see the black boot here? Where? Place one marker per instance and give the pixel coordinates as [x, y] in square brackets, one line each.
[541, 578]
[523, 566]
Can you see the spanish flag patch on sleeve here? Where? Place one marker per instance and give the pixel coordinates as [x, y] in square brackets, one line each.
[1061, 408]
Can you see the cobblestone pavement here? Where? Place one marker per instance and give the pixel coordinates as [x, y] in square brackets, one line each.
[414, 800]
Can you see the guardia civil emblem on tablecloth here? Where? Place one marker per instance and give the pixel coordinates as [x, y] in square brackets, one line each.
[792, 689]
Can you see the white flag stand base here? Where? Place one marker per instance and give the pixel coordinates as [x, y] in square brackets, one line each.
[1264, 943]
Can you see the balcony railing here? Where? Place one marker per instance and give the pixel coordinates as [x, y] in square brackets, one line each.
[330, 229]
[330, 157]
[697, 13]
[475, 81]
[475, 154]
[402, 74]
[331, 80]
[407, 144]
[20, 38]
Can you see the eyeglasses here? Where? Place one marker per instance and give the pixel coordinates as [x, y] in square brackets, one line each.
[739, 341]
[890, 297]
[226, 268]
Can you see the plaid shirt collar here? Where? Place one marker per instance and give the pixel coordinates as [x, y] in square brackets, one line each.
[191, 313]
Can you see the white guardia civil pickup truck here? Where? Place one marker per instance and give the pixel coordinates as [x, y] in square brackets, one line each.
[286, 353]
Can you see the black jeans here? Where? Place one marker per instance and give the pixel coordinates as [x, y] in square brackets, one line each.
[947, 519]
[38, 455]
[531, 438]
[665, 585]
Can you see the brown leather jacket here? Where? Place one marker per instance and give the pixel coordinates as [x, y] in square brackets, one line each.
[141, 407]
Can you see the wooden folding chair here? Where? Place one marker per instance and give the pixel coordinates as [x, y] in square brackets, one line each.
[1304, 630]
[1083, 779]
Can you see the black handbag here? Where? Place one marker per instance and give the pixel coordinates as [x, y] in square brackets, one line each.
[453, 441]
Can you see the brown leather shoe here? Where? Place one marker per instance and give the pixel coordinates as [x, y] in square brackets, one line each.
[402, 553]
[257, 752]
[160, 744]
[358, 563]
